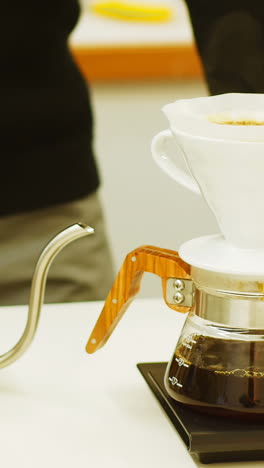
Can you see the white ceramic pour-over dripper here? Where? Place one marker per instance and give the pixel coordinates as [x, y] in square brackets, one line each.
[226, 164]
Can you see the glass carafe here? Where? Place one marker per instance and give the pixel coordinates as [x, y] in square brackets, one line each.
[218, 362]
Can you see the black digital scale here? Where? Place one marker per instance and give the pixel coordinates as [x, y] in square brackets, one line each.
[211, 439]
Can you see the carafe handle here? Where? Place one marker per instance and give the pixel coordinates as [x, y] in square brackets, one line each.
[161, 156]
[164, 263]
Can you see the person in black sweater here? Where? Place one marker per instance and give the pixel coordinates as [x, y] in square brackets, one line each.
[49, 177]
[229, 35]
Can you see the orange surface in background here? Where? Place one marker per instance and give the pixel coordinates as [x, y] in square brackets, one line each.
[138, 63]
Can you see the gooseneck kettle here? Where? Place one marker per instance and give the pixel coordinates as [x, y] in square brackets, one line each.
[38, 286]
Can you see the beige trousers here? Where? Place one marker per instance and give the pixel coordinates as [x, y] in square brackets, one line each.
[81, 272]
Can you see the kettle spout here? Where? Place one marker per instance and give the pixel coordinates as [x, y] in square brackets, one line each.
[38, 286]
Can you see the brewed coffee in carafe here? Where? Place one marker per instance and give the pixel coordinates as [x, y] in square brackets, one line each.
[216, 371]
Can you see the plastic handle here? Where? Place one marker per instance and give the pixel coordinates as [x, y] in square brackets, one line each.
[149, 259]
[164, 161]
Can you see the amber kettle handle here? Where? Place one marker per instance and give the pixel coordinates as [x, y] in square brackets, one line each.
[164, 263]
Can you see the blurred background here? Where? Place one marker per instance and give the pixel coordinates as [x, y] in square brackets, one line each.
[134, 67]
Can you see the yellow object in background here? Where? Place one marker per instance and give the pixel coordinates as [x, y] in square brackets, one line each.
[133, 11]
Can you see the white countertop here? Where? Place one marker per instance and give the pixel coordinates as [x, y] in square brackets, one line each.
[97, 31]
[61, 407]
